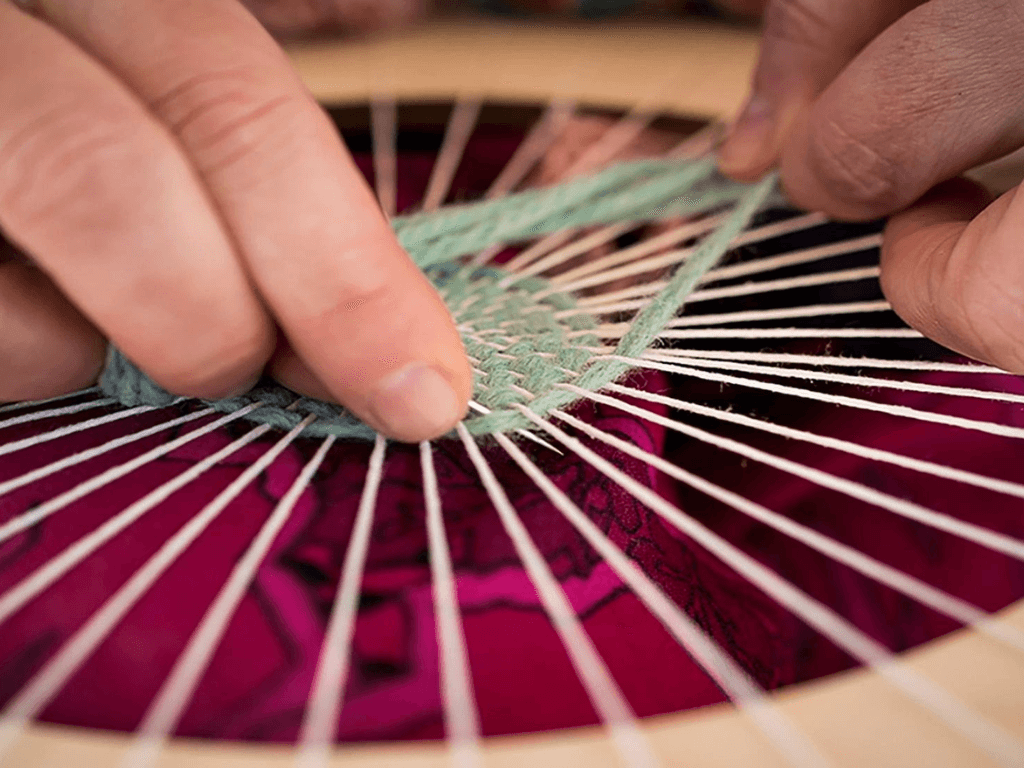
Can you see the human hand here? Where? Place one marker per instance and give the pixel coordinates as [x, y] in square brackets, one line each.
[184, 197]
[290, 17]
[870, 108]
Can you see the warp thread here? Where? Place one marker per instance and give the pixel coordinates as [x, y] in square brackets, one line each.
[646, 190]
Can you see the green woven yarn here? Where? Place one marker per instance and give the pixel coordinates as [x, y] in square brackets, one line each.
[521, 339]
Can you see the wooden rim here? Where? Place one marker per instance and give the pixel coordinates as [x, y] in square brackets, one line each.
[683, 68]
[702, 70]
[855, 718]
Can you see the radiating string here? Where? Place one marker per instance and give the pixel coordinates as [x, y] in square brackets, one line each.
[860, 381]
[715, 294]
[483, 409]
[615, 139]
[730, 677]
[462, 726]
[384, 132]
[605, 695]
[565, 253]
[55, 504]
[794, 333]
[320, 726]
[548, 129]
[748, 268]
[955, 608]
[998, 542]
[786, 313]
[833, 361]
[34, 403]
[35, 583]
[52, 413]
[1000, 745]
[855, 449]
[572, 280]
[532, 148]
[165, 711]
[45, 437]
[588, 278]
[57, 671]
[906, 411]
[460, 127]
[91, 453]
[677, 234]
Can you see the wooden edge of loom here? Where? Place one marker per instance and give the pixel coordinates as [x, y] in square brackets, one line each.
[693, 70]
[685, 68]
[843, 714]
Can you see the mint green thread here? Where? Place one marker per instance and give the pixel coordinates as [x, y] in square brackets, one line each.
[538, 352]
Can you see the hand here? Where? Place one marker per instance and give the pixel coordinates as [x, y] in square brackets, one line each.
[289, 17]
[183, 196]
[869, 107]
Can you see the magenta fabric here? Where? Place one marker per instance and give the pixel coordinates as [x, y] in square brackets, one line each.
[259, 680]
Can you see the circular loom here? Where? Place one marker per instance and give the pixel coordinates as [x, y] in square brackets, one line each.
[789, 500]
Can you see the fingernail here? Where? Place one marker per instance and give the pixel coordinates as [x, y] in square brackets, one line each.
[415, 403]
[749, 138]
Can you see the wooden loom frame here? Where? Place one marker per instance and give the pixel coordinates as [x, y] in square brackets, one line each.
[706, 72]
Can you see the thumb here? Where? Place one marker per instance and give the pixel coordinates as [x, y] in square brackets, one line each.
[951, 268]
[804, 46]
[931, 97]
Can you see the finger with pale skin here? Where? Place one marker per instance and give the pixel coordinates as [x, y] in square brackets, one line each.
[951, 267]
[805, 44]
[294, 17]
[931, 97]
[97, 191]
[47, 347]
[353, 306]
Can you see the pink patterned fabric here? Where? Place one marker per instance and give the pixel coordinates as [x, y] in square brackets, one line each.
[260, 677]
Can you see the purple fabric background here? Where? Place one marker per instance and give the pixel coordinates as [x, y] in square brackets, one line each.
[261, 674]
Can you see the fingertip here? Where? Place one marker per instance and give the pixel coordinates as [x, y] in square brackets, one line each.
[424, 398]
[749, 147]
[227, 366]
[48, 348]
[950, 270]
[417, 402]
[391, 354]
[917, 243]
[825, 168]
[956, 200]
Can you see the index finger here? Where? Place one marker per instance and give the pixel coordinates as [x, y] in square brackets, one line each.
[352, 304]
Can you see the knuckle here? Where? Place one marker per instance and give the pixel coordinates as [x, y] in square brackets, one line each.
[220, 367]
[69, 162]
[851, 169]
[224, 116]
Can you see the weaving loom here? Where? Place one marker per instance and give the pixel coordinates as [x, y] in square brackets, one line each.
[785, 483]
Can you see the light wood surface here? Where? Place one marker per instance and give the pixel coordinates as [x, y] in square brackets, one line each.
[690, 69]
[855, 718]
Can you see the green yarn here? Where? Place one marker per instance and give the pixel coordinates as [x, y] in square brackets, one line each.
[520, 344]
[646, 190]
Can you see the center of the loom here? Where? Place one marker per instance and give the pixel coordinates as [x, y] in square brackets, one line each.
[523, 335]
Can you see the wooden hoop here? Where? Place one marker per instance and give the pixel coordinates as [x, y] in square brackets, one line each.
[856, 718]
